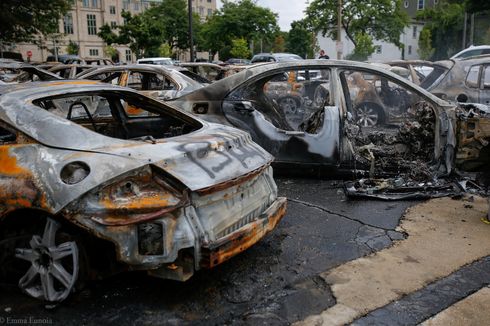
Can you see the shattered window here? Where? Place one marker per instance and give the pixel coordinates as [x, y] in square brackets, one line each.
[292, 99]
[150, 82]
[6, 136]
[390, 128]
[472, 77]
[486, 77]
[108, 115]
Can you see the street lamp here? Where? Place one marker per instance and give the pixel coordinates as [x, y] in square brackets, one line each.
[191, 41]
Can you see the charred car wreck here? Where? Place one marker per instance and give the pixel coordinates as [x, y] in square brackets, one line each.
[88, 189]
[355, 119]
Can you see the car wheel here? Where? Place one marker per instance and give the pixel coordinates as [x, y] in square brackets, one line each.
[367, 115]
[53, 263]
[288, 105]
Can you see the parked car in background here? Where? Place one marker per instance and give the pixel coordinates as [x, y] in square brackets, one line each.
[18, 72]
[88, 189]
[472, 51]
[275, 57]
[163, 82]
[237, 61]
[464, 80]
[64, 58]
[156, 61]
[210, 71]
[70, 71]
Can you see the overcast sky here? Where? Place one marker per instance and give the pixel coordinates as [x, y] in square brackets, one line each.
[288, 10]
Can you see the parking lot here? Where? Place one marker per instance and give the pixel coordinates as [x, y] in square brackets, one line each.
[296, 273]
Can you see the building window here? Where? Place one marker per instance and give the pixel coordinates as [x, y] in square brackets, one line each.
[85, 3]
[210, 12]
[145, 5]
[93, 52]
[378, 49]
[113, 25]
[68, 24]
[414, 32]
[92, 25]
[209, 1]
[112, 10]
[409, 49]
[136, 6]
[406, 3]
[201, 11]
[129, 56]
[126, 5]
[95, 3]
[420, 5]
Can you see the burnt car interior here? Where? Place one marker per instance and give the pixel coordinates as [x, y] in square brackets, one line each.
[126, 116]
[143, 81]
[291, 100]
[391, 129]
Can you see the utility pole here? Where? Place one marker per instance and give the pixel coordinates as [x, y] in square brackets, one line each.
[339, 31]
[472, 28]
[464, 29]
[191, 41]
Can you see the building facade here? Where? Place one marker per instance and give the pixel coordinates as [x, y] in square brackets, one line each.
[82, 23]
[387, 51]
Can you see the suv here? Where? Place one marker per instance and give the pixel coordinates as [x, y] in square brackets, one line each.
[275, 57]
[472, 51]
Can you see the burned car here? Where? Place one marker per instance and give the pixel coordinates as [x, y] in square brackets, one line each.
[19, 72]
[464, 80]
[89, 190]
[158, 81]
[364, 121]
[70, 71]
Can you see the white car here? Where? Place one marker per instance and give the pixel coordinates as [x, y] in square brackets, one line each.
[156, 61]
[472, 51]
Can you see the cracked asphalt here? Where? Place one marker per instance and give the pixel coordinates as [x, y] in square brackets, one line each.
[276, 282]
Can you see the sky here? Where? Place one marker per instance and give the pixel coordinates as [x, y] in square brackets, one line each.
[288, 10]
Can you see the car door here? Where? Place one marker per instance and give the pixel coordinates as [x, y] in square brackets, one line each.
[292, 117]
[485, 86]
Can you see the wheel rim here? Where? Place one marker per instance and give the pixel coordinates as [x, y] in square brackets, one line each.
[366, 116]
[288, 105]
[48, 278]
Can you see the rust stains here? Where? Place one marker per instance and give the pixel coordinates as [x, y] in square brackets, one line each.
[8, 163]
[243, 238]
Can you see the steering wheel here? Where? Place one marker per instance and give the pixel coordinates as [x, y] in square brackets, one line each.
[86, 111]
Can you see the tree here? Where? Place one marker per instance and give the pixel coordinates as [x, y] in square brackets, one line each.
[241, 19]
[425, 51]
[239, 48]
[23, 20]
[473, 6]
[72, 48]
[301, 40]
[279, 44]
[445, 24]
[380, 19]
[364, 47]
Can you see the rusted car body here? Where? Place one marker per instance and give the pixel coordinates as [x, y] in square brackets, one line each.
[70, 71]
[18, 72]
[163, 82]
[465, 80]
[417, 134]
[88, 190]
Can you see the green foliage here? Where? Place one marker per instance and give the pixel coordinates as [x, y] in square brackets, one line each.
[239, 48]
[165, 23]
[301, 40]
[23, 20]
[111, 52]
[445, 23]
[364, 47]
[240, 19]
[477, 5]
[425, 51]
[279, 44]
[72, 48]
[164, 50]
[380, 19]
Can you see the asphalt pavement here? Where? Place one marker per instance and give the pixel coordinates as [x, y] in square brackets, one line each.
[283, 279]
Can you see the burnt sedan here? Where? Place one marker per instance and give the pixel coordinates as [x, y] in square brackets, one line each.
[89, 189]
[153, 80]
[349, 117]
